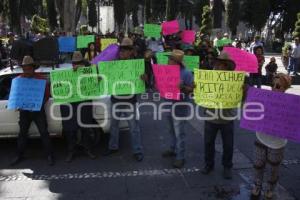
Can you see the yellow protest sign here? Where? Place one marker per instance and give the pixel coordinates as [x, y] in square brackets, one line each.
[105, 42]
[218, 89]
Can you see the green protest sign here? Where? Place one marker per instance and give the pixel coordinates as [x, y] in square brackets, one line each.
[223, 42]
[162, 58]
[191, 62]
[69, 86]
[152, 30]
[122, 77]
[84, 40]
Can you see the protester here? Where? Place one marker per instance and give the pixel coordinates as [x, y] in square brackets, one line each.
[256, 78]
[271, 70]
[256, 43]
[222, 121]
[269, 149]
[38, 117]
[91, 52]
[294, 57]
[155, 45]
[176, 124]
[121, 103]
[218, 37]
[75, 122]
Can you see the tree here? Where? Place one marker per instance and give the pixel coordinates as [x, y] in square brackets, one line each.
[256, 13]
[171, 9]
[198, 10]
[206, 27]
[52, 14]
[296, 32]
[232, 15]
[218, 9]
[39, 25]
[92, 14]
[119, 12]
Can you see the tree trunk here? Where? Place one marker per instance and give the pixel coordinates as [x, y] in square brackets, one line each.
[69, 16]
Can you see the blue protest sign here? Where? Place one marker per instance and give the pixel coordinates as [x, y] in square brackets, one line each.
[26, 94]
[67, 44]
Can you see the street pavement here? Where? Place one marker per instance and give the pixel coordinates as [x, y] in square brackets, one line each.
[120, 177]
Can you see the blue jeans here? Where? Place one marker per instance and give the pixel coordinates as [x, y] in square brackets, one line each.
[134, 129]
[293, 65]
[176, 131]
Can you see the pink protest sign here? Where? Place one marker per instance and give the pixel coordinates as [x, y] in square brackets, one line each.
[170, 27]
[278, 116]
[246, 62]
[188, 36]
[167, 78]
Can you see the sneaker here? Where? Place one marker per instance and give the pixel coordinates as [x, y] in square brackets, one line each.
[168, 154]
[178, 164]
[110, 152]
[227, 173]
[51, 161]
[16, 160]
[139, 157]
[207, 170]
[70, 157]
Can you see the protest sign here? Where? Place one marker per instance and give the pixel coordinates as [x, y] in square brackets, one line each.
[162, 58]
[170, 27]
[223, 42]
[84, 40]
[109, 54]
[218, 89]
[191, 62]
[152, 30]
[26, 94]
[244, 61]
[188, 36]
[122, 77]
[279, 117]
[105, 42]
[67, 44]
[167, 79]
[69, 86]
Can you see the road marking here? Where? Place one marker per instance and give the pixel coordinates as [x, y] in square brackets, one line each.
[98, 175]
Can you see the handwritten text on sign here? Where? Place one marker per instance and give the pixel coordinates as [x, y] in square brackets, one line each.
[122, 77]
[281, 114]
[26, 94]
[167, 78]
[218, 89]
[246, 62]
[69, 86]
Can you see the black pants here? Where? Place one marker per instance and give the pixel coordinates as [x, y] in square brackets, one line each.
[211, 131]
[39, 118]
[71, 126]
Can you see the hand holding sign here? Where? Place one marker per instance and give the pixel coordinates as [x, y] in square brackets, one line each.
[26, 94]
[167, 79]
[218, 89]
[279, 117]
[122, 77]
[244, 61]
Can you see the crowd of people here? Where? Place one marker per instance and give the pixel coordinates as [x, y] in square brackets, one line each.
[268, 149]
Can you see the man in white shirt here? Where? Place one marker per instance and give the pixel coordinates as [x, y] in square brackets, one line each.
[294, 57]
[255, 44]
